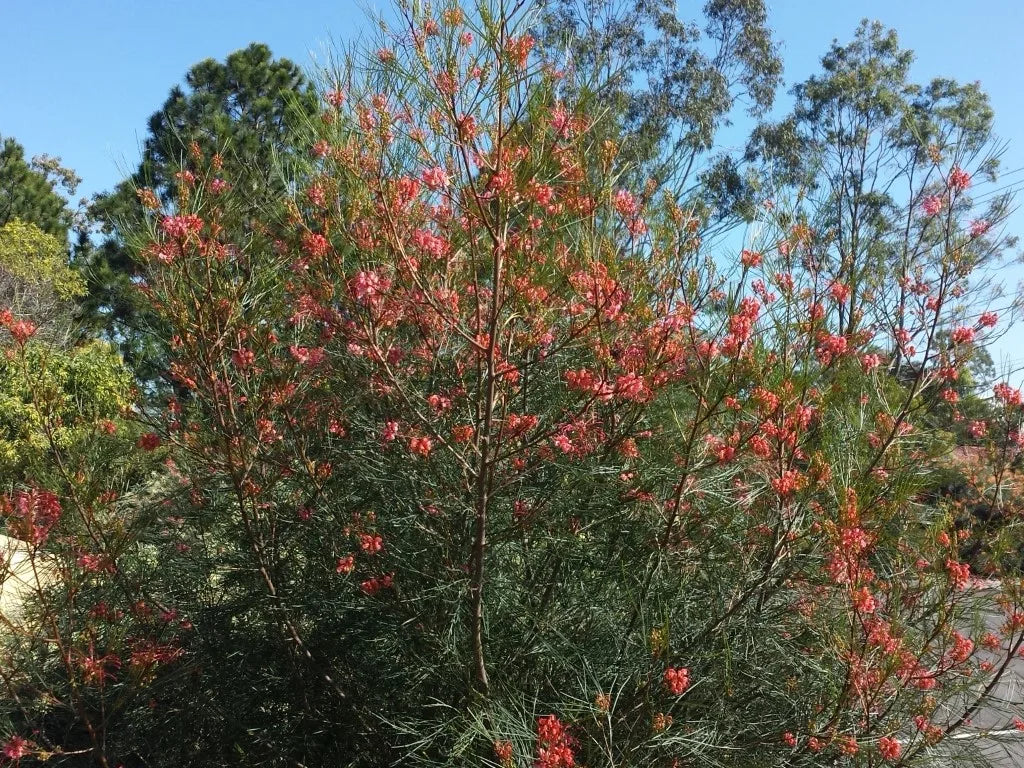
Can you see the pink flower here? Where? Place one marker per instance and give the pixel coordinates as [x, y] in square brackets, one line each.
[307, 355]
[554, 744]
[560, 121]
[35, 513]
[1006, 394]
[963, 335]
[316, 195]
[788, 483]
[839, 292]
[959, 573]
[563, 443]
[988, 319]
[433, 245]
[959, 179]
[371, 543]
[315, 244]
[376, 584]
[181, 227]
[421, 445]
[369, 286]
[890, 749]
[979, 227]
[15, 748]
[625, 203]
[863, 601]
[931, 205]
[436, 178]
[519, 49]
[243, 357]
[22, 330]
[870, 362]
[632, 387]
[750, 259]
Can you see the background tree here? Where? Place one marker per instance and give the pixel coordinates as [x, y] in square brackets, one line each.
[670, 84]
[868, 149]
[36, 221]
[33, 191]
[246, 110]
[36, 281]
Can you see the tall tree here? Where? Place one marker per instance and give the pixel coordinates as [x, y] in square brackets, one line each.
[672, 84]
[882, 163]
[36, 282]
[245, 110]
[30, 190]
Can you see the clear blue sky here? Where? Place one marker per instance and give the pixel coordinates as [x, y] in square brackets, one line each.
[81, 77]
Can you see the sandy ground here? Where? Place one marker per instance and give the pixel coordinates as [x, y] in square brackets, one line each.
[17, 577]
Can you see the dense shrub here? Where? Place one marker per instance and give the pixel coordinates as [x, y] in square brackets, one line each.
[480, 458]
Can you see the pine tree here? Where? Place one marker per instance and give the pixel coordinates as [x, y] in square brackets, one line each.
[245, 110]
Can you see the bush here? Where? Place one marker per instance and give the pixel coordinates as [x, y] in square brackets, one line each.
[479, 459]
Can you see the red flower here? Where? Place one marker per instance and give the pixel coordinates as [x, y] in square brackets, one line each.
[890, 749]
[436, 178]
[963, 335]
[23, 330]
[750, 258]
[554, 744]
[421, 445]
[677, 680]
[16, 748]
[959, 179]
[371, 543]
[149, 441]
[503, 751]
[376, 584]
[316, 245]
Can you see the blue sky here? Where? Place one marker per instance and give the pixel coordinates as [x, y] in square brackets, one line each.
[82, 77]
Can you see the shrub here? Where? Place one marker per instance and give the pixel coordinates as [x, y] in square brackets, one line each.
[480, 459]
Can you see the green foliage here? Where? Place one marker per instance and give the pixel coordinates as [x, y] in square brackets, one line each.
[28, 190]
[35, 258]
[665, 86]
[53, 399]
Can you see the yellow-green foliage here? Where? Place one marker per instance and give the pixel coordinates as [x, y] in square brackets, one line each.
[59, 397]
[38, 258]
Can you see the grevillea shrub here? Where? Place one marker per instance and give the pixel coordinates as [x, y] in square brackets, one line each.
[481, 458]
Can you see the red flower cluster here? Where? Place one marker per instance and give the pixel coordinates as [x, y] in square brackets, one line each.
[677, 680]
[554, 744]
[31, 514]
